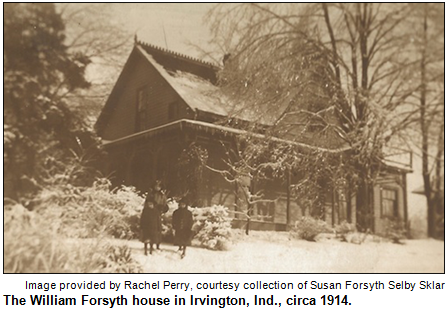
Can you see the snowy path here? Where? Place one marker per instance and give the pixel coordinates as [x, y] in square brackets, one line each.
[281, 255]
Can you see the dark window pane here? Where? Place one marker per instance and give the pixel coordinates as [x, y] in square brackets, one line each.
[142, 99]
[389, 203]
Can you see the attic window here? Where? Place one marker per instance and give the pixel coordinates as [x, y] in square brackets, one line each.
[173, 111]
[142, 99]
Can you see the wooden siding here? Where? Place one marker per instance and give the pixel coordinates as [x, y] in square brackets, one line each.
[215, 190]
[218, 192]
[160, 95]
[272, 190]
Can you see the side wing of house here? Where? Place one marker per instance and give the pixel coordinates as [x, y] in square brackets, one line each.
[390, 202]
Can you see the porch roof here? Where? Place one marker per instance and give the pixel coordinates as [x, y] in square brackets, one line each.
[421, 190]
[212, 129]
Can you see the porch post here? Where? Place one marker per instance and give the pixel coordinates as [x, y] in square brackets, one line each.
[405, 204]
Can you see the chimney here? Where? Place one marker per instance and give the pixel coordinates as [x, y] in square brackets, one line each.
[225, 58]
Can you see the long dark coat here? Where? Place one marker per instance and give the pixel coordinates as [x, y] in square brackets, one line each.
[151, 225]
[182, 223]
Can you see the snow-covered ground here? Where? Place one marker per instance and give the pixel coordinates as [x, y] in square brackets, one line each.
[275, 252]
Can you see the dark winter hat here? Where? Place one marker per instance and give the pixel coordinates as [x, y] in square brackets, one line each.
[183, 200]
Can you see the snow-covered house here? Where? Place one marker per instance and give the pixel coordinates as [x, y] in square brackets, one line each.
[163, 102]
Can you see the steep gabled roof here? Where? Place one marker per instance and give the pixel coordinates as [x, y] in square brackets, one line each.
[195, 82]
[192, 79]
[197, 91]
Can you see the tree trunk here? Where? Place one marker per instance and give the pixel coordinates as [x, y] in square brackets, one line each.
[438, 205]
[364, 205]
[349, 202]
[424, 124]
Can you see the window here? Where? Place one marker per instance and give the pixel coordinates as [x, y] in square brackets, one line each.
[265, 211]
[142, 99]
[173, 111]
[389, 203]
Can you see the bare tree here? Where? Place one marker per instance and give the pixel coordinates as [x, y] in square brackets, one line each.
[251, 158]
[429, 43]
[326, 74]
[92, 30]
[241, 169]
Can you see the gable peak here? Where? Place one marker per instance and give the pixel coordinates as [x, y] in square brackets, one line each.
[153, 48]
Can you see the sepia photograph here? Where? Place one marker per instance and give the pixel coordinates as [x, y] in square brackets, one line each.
[224, 138]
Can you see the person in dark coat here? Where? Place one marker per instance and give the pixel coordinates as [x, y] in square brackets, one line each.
[157, 196]
[182, 223]
[151, 226]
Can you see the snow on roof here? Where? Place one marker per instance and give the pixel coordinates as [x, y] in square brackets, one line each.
[200, 94]
[397, 157]
[172, 53]
[213, 128]
[421, 190]
[203, 95]
[206, 125]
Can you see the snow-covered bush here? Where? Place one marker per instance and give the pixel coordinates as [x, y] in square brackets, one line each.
[394, 230]
[88, 211]
[308, 228]
[343, 229]
[212, 227]
[34, 244]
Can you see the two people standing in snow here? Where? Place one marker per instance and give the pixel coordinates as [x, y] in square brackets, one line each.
[151, 221]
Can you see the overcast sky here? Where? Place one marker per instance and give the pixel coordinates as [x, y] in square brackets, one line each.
[168, 25]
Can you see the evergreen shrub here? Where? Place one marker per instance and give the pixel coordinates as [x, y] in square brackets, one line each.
[212, 227]
[343, 229]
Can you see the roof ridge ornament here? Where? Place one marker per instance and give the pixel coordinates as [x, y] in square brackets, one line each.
[184, 56]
